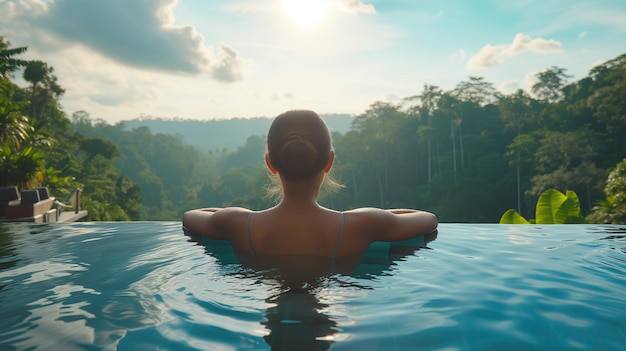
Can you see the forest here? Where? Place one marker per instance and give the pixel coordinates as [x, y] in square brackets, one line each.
[467, 154]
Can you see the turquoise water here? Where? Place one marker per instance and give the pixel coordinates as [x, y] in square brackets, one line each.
[145, 286]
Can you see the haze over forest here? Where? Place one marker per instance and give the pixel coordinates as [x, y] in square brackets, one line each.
[225, 133]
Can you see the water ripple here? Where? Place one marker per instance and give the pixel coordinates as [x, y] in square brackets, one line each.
[143, 285]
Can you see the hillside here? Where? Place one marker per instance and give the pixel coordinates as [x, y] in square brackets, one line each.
[228, 133]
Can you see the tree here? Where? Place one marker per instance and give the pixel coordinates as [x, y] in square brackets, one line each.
[550, 84]
[609, 80]
[15, 127]
[564, 160]
[8, 63]
[517, 111]
[128, 197]
[99, 146]
[613, 208]
[450, 109]
[44, 93]
[428, 104]
[21, 168]
[476, 90]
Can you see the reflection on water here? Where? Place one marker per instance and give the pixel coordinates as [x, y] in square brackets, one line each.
[70, 285]
[297, 318]
[296, 323]
[136, 286]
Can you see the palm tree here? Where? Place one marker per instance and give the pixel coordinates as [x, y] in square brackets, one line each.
[35, 73]
[8, 64]
[429, 101]
[517, 110]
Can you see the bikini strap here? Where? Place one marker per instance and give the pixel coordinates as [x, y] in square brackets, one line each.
[340, 237]
[248, 233]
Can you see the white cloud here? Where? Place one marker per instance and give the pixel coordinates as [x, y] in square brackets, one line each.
[355, 6]
[582, 34]
[490, 55]
[139, 34]
[487, 56]
[509, 87]
[531, 78]
[229, 67]
[522, 43]
[93, 82]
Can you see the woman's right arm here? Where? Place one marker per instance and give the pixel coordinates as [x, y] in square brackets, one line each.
[201, 222]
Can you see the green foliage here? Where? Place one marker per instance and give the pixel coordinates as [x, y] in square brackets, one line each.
[553, 207]
[99, 146]
[15, 127]
[36, 148]
[550, 84]
[465, 154]
[512, 217]
[20, 168]
[612, 209]
[8, 62]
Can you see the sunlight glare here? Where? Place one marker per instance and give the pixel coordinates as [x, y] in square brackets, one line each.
[306, 13]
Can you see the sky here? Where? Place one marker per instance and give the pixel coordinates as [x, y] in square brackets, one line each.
[211, 59]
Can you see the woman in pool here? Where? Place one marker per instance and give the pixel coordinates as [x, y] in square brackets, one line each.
[300, 153]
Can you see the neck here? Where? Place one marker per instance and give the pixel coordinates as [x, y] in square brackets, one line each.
[301, 192]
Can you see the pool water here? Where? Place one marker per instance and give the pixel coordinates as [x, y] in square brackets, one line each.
[146, 286]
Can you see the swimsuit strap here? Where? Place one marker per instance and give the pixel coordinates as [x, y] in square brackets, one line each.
[248, 233]
[340, 236]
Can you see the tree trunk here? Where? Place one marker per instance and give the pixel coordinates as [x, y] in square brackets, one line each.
[461, 145]
[430, 167]
[453, 147]
[380, 189]
[519, 188]
[356, 192]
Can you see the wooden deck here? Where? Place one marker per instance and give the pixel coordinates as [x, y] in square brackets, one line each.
[37, 206]
[71, 216]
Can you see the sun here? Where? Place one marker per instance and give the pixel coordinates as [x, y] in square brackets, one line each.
[306, 13]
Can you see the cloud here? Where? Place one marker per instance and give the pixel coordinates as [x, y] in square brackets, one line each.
[509, 87]
[229, 66]
[523, 43]
[487, 56]
[391, 97]
[141, 34]
[356, 6]
[490, 55]
[530, 78]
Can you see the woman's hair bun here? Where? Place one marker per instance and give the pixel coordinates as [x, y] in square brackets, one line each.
[298, 156]
[298, 144]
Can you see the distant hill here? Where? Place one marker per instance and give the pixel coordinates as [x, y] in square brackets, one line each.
[227, 133]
